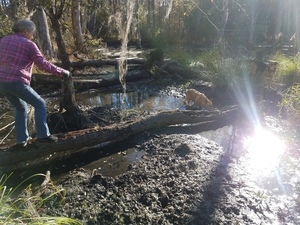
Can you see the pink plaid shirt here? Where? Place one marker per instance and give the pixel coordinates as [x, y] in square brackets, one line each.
[17, 57]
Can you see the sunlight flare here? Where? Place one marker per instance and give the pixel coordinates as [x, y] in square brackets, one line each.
[264, 149]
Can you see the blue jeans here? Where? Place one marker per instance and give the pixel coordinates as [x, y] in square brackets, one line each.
[19, 94]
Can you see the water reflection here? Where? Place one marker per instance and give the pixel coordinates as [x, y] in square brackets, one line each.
[115, 164]
[221, 136]
[261, 153]
[265, 149]
[262, 148]
[131, 100]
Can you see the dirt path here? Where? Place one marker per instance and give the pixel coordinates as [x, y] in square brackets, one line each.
[184, 178]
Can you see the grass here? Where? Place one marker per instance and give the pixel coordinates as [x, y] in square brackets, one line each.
[209, 64]
[223, 73]
[288, 70]
[24, 207]
[288, 73]
[232, 74]
[291, 103]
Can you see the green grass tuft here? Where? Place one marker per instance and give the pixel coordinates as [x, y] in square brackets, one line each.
[24, 208]
[291, 103]
[288, 70]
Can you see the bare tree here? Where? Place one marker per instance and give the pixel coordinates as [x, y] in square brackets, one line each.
[76, 24]
[43, 36]
[253, 17]
[137, 24]
[12, 9]
[222, 40]
[68, 103]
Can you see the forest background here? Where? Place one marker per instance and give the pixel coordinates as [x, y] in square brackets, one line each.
[180, 28]
[235, 25]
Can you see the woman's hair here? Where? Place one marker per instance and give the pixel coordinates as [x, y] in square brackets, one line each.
[22, 25]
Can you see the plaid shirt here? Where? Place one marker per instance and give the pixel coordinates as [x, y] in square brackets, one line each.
[17, 57]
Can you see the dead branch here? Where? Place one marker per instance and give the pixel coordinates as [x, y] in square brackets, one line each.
[78, 141]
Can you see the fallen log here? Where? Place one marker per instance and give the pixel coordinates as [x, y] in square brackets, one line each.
[82, 140]
[104, 62]
[137, 70]
[87, 81]
[105, 81]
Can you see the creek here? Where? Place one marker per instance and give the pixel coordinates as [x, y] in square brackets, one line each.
[260, 148]
[261, 151]
[113, 158]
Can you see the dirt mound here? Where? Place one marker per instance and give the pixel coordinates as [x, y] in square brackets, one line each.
[181, 179]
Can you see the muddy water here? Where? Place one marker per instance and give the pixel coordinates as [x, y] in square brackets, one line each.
[232, 139]
[122, 153]
[262, 154]
[120, 157]
[131, 100]
[258, 159]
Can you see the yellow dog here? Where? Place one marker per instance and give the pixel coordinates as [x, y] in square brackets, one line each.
[197, 97]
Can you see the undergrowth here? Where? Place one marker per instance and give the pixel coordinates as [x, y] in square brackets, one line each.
[233, 74]
[223, 73]
[288, 69]
[23, 206]
[291, 104]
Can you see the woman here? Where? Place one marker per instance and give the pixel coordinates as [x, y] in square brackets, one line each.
[18, 54]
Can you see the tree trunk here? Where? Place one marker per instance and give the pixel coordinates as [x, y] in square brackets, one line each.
[78, 141]
[62, 52]
[76, 25]
[252, 22]
[43, 36]
[222, 39]
[137, 25]
[12, 9]
[68, 102]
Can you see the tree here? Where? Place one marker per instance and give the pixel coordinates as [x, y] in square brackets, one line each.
[137, 24]
[222, 40]
[12, 9]
[55, 12]
[253, 13]
[43, 35]
[76, 24]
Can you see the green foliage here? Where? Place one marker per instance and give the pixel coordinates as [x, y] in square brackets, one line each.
[212, 62]
[154, 56]
[288, 70]
[261, 194]
[181, 55]
[221, 72]
[291, 103]
[5, 26]
[24, 208]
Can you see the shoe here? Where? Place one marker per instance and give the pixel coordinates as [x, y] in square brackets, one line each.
[24, 143]
[48, 139]
[20, 146]
[28, 140]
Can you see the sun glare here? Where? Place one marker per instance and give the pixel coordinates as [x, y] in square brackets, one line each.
[264, 149]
